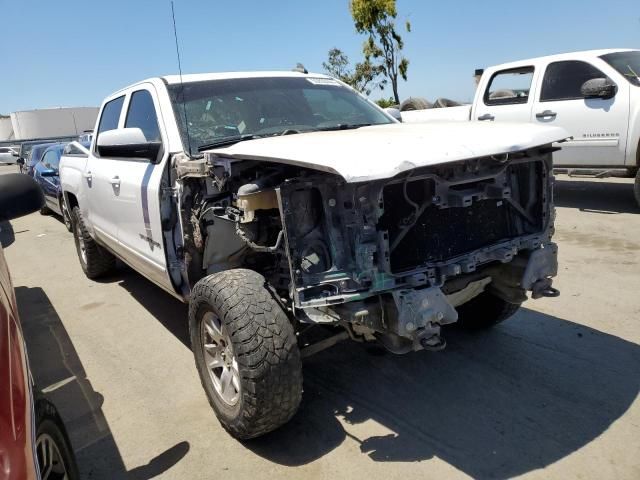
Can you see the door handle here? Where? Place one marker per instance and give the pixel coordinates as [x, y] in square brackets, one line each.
[115, 181]
[486, 116]
[545, 114]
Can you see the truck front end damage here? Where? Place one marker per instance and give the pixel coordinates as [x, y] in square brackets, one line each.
[391, 259]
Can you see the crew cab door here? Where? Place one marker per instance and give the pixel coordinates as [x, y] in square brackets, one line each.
[505, 97]
[50, 184]
[139, 190]
[598, 126]
[99, 177]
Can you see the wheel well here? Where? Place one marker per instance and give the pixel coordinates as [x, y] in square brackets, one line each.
[71, 200]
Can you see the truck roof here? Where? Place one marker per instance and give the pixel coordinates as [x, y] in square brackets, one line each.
[199, 77]
[584, 54]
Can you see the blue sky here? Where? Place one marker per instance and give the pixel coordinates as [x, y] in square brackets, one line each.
[74, 53]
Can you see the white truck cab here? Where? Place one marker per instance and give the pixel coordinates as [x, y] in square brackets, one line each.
[594, 95]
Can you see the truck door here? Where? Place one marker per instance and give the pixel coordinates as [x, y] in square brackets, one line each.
[598, 126]
[505, 97]
[99, 175]
[139, 184]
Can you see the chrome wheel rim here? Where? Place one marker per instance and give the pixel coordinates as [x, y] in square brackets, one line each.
[82, 247]
[50, 461]
[219, 358]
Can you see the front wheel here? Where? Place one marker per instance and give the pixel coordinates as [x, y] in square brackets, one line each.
[53, 449]
[246, 353]
[484, 311]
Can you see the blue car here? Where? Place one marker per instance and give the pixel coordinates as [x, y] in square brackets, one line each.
[33, 156]
[45, 173]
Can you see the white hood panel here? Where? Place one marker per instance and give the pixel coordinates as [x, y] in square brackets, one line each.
[383, 151]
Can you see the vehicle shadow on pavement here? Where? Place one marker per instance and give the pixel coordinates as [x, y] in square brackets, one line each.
[169, 311]
[58, 372]
[494, 404]
[597, 196]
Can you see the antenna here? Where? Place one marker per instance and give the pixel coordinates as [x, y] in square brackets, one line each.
[184, 107]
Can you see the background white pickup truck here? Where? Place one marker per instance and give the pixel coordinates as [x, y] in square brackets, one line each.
[594, 95]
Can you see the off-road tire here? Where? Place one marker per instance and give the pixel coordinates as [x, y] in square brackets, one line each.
[485, 311]
[636, 187]
[48, 423]
[415, 103]
[98, 260]
[264, 346]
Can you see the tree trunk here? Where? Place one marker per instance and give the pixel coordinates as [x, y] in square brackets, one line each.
[394, 85]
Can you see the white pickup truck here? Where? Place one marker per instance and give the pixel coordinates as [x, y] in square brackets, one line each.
[594, 95]
[273, 202]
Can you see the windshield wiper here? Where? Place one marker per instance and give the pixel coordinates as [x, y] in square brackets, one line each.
[226, 141]
[341, 126]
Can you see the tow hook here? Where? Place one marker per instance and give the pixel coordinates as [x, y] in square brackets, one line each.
[434, 343]
[543, 288]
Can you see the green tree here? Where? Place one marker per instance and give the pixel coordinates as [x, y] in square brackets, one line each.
[364, 77]
[383, 47]
[386, 102]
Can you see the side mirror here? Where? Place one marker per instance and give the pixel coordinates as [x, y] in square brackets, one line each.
[599, 88]
[48, 172]
[394, 112]
[127, 143]
[19, 195]
[20, 161]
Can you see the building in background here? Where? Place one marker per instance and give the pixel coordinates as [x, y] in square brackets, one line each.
[47, 123]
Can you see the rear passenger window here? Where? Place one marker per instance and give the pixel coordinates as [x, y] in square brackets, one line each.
[110, 115]
[563, 80]
[142, 114]
[509, 87]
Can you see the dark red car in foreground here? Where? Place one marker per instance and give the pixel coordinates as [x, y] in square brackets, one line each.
[33, 442]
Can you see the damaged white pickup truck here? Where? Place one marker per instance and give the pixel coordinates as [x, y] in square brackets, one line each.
[272, 202]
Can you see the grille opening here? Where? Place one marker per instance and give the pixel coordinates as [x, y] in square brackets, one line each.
[440, 234]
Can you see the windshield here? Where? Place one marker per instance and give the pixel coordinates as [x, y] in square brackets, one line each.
[255, 107]
[627, 63]
[36, 153]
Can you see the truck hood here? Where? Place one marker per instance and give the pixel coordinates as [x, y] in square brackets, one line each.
[383, 151]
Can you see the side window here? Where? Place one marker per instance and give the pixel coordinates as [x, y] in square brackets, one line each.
[142, 114]
[509, 87]
[49, 160]
[110, 115]
[55, 160]
[563, 80]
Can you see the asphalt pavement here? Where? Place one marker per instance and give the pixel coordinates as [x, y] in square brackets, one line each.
[551, 393]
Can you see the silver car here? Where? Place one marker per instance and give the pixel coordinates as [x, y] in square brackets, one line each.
[8, 156]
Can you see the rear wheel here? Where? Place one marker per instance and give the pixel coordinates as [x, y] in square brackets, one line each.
[636, 187]
[66, 217]
[484, 311]
[246, 353]
[94, 259]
